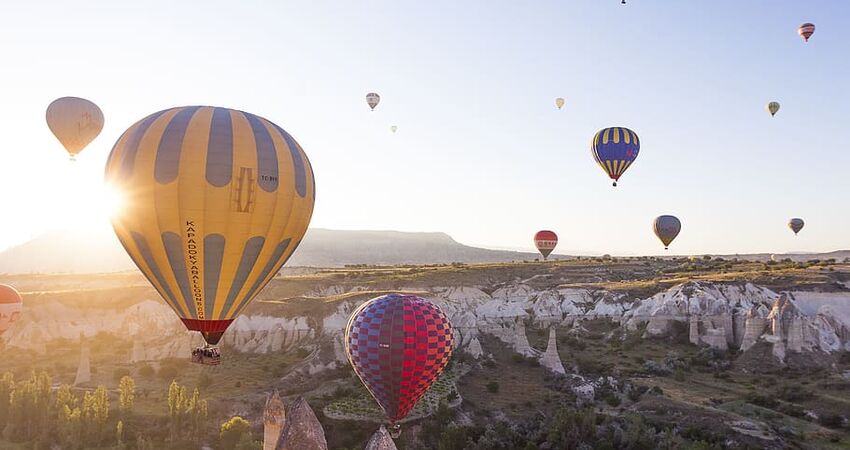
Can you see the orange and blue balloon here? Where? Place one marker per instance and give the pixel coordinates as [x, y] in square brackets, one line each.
[615, 149]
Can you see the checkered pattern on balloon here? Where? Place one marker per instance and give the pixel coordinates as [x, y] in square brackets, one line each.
[398, 345]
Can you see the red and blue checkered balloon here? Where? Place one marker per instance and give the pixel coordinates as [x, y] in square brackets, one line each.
[398, 346]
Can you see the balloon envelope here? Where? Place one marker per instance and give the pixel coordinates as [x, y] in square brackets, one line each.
[545, 241]
[796, 224]
[11, 305]
[806, 31]
[214, 202]
[398, 346]
[615, 149]
[666, 228]
[75, 122]
[372, 99]
[559, 102]
[772, 108]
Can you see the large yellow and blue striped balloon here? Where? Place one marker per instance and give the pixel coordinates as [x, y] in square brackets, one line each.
[615, 149]
[215, 201]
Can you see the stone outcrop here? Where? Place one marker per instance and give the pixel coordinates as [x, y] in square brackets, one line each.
[302, 430]
[755, 324]
[137, 354]
[381, 440]
[474, 348]
[274, 417]
[709, 312]
[84, 369]
[521, 345]
[551, 359]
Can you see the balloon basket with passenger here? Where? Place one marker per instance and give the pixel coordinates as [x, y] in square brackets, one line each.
[394, 430]
[208, 355]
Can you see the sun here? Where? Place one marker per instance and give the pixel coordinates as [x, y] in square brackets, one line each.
[112, 200]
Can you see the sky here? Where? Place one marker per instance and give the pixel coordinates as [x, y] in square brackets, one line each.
[481, 152]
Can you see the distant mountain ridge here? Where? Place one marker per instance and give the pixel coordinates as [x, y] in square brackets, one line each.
[89, 252]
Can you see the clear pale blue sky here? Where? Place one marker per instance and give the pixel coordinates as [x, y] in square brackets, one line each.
[481, 152]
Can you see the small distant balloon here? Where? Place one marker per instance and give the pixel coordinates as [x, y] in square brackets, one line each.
[545, 241]
[806, 31]
[11, 305]
[75, 122]
[666, 228]
[559, 102]
[372, 99]
[615, 149]
[393, 128]
[773, 108]
[796, 224]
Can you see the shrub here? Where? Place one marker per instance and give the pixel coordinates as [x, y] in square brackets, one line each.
[831, 420]
[146, 370]
[762, 400]
[204, 380]
[231, 431]
[517, 358]
[167, 372]
[120, 373]
[679, 375]
[493, 387]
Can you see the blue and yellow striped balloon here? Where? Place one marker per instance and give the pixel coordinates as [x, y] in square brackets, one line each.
[615, 149]
[215, 201]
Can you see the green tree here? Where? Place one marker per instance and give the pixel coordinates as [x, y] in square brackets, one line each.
[176, 408]
[7, 386]
[453, 438]
[70, 427]
[570, 428]
[127, 394]
[29, 408]
[95, 414]
[119, 434]
[247, 442]
[231, 432]
[197, 411]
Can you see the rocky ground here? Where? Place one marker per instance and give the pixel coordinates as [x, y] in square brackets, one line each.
[718, 350]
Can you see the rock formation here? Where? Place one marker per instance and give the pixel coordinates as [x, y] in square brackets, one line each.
[521, 345]
[381, 440]
[302, 430]
[84, 369]
[754, 326]
[551, 359]
[474, 348]
[138, 352]
[711, 312]
[274, 417]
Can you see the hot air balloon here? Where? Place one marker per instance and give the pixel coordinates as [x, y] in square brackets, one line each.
[666, 228]
[10, 307]
[796, 224]
[393, 128]
[559, 102]
[772, 108]
[545, 241]
[806, 31]
[398, 345]
[215, 201]
[75, 122]
[372, 99]
[615, 149]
